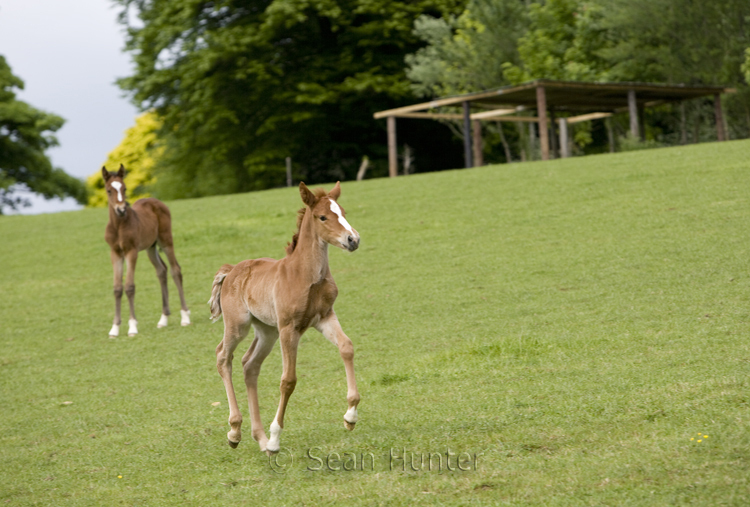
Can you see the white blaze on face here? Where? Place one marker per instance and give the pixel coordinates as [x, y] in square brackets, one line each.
[118, 186]
[336, 209]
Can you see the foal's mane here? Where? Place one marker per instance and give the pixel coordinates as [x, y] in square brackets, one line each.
[319, 192]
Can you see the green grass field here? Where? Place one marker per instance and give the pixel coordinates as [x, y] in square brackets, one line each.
[563, 330]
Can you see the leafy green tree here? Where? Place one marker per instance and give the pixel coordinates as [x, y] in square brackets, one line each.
[683, 41]
[677, 41]
[25, 134]
[466, 53]
[242, 84]
[138, 152]
[563, 43]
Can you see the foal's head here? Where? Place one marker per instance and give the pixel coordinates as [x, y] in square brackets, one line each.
[115, 185]
[328, 217]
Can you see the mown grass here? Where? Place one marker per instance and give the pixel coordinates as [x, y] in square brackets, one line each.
[573, 324]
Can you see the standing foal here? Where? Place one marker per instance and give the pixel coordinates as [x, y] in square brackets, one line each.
[131, 229]
[282, 299]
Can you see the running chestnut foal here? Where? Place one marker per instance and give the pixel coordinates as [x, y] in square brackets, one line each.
[280, 300]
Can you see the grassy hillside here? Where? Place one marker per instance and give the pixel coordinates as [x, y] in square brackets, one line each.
[569, 326]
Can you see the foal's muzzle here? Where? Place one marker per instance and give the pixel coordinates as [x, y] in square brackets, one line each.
[352, 243]
[121, 211]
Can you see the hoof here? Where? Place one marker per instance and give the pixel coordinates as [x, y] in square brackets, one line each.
[132, 334]
[348, 425]
[233, 445]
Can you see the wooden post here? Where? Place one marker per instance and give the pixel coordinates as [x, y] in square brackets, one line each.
[564, 153]
[633, 110]
[610, 134]
[392, 154]
[523, 141]
[720, 134]
[642, 122]
[467, 135]
[478, 155]
[541, 106]
[289, 171]
[532, 141]
[363, 168]
[555, 152]
[683, 124]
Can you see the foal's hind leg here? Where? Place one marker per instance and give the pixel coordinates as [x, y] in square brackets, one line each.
[289, 337]
[177, 276]
[265, 339]
[161, 274]
[331, 329]
[235, 331]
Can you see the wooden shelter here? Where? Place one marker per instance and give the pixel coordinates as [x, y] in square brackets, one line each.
[578, 100]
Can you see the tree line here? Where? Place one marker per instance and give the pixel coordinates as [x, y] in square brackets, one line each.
[231, 88]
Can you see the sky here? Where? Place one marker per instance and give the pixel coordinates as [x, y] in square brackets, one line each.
[69, 55]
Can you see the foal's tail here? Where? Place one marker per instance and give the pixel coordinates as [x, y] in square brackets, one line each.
[215, 301]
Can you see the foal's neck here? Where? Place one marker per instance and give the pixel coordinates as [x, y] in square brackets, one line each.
[311, 253]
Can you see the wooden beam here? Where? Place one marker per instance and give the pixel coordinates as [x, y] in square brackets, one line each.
[392, 153]
[477, 145]
[720, 134]
[587, 117]
[456, 116]
[523, 119]
[467, 135]
[492, 114]
[633, 111]
[541, 106]
[429, 116]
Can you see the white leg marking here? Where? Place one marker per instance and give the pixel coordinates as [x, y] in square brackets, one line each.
[132, 327]
[185, 317]
[234, 436]
[114, 331]
[162, 321]
[351, 415]
[273, 442]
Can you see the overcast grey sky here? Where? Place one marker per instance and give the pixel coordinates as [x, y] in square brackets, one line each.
[69, 54]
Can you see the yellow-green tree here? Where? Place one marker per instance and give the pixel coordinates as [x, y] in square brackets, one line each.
[138, 152]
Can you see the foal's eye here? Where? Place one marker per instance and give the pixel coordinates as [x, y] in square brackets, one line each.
[322, 218]
[109, 192]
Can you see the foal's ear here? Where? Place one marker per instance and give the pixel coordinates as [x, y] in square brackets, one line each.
[105, 174]
[336, 192]
[307, 196]
[121, 171]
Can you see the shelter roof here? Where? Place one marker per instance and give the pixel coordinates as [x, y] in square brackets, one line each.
[579, 97]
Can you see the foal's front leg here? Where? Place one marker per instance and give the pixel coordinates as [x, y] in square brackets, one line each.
[130, 259]
[331, 329]
[117, 261]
